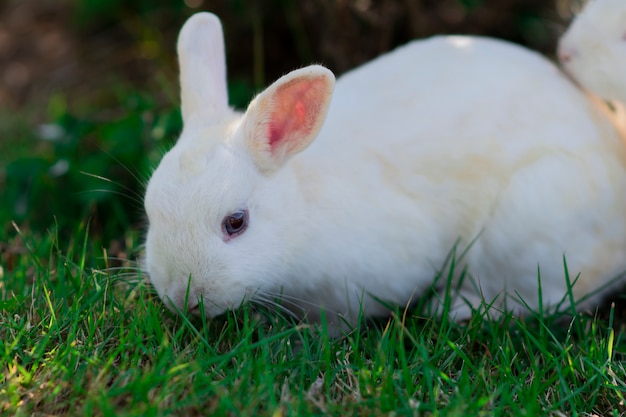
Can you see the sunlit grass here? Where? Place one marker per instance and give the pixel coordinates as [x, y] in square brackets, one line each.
[76, 340]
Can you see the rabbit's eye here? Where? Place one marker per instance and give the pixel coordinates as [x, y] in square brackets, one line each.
[235, 223]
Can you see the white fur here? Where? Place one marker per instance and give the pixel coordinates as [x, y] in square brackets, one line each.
[593, 49]
[443, 140]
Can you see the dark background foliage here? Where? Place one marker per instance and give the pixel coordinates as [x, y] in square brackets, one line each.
[89, 95]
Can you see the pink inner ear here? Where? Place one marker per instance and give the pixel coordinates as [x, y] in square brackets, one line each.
[295, 112]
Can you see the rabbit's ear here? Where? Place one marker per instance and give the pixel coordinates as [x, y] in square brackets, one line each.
[202, 63]
[286, 117]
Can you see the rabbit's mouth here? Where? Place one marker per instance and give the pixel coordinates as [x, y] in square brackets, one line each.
[194, 310]
[192, 305]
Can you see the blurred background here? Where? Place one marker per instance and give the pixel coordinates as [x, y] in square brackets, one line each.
[89, 90]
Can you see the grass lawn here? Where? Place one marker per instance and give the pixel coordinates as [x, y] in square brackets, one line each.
[77, 340]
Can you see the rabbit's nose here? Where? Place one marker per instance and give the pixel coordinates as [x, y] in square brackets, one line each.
[193, 309]
[181, 300]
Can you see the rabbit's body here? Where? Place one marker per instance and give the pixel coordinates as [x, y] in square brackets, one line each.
[593, 52]
[593, 49]
[537, 182]
[446, 140]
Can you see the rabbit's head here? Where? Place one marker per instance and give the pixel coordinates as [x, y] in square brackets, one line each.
[223, 206]
[593, 49]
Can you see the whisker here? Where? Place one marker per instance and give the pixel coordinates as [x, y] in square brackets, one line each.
[142, 181]
[269, 303]
[120, 259]
[125, 272]
[121, 269]
[299, 302]
[110, 181]
[129, 261]
[280, 299]
[130, 279]
[134, 198]
[291, 299]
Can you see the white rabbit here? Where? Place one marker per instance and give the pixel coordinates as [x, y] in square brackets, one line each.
[336, 205]
[593, 49]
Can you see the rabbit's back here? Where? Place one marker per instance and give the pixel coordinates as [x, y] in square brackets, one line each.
[468, 113]
[478, 88]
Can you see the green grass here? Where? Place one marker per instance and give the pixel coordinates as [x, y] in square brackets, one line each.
[77, 340]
